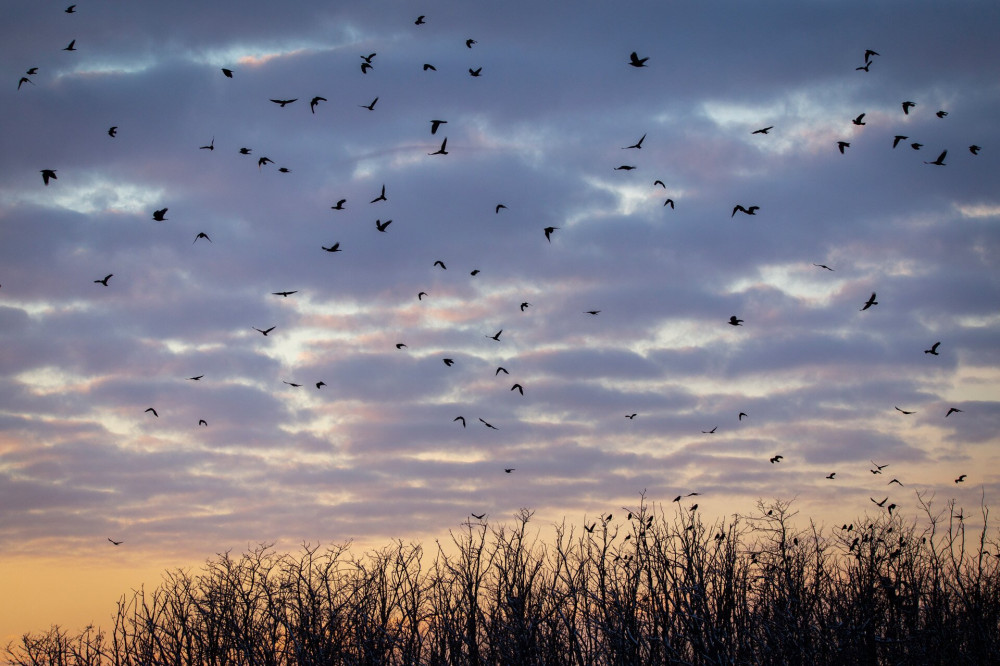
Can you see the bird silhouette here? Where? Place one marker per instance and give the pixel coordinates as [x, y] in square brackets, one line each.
[733, 321]
[548, 233]
[475, 72]
[499, 370]
[488, 425]
[104, 281]
[381, 226]
[495, 336]
[245, 151]
[210, 146]
[933, 350]
[637, 144]
[877, 503]
[904, 411]
[896, 139]
[370, 107]
[47, 175]
[201, 234]
[71, 47]
[870, 302]
[525, 305]
[590, 529]
[916, 146]
[953, 410]
[624, 167]
[879, 467]
[518, 388]
[24, 79]
[508, 470]
[320, 384]
[593, 312]
[284, 293]
[228, 73]
[740, 416]
[864, 68]
[940, 159]
[459, 418]
[368, 58]
[116, 543]
[441, 150]
[441, 264]
[858, 121]
[941, 114]
[498, 207]
[710, 432]
[428, 66]
[896, 481]
[435, 124]
[283, 102]
[400, 345]
[752, 210]
[194, 379]
[669, 202]
[292, 384]
[763, 130]
[823, 266]
[636, 61]
[263, 161]
[660, 183]
[448, 361]
[202, 422]
[113, 131]
[890, 508]
[907, 106]
[333, 248]
[265, 331]
[869, 53]
[158, 215]
[469, 43]
[830, 475]
[974, 149]
[153, 411]
[843, 144]
[380, 197]
[961, 478]
[775, 459]
[420, 21]
[314, 101]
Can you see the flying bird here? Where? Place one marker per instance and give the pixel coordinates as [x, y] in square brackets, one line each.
[941, 114]
[201, 234]
[105, 280]
[245, 151]
[441, 150]
[940, 159]
[283, 102]
[24, 79]
[365, 66]
[497, 336]
[524, 305]
[420, 21]
[116, 543]
[470, 42]
[858, 121]
[636, 61]
[823, 266]
[400, 345]
[624, 167]
[592, 312]
[286, 294]
[320, 384]
[264, 161]
[499, 369]
[194, 379]
[210, 146]
[548, 233]
[896, 139]
[71, 46]
[508, 470]
[518, 388]
[709, 432]
[202, 422]
[368, 58]
[952, 410]
[380, 197]
[421, 295]
[904, 411]
[879, 467]
[660, 183]
[734, 321]
[488, 425]
[830, 475]
[907, 106]
[637, 144]
[292, 384]
[863, 68]
[752, 210]
[340, 205]
[843, 144]
[877, 503]
[630, 417]
[264, 332]
[113, 131]
[870, 302]
[448, 361]
[961, 478]
[459, 418]
[381, 226]
[916, 146]
[428, 66]
[227, 72]
[435, 124]
[763, 130]
[333, 248]
[314, 101]
[974, 149]
[441, 264]
[284, 170]
[499, 206]
[775, 459]
[869, 53]
[933, 350]
[475, 72]
[158, 215]
[896, 481]
[890, 508]
[741, 415]
[153, 411]
[370, 107]
[48, 174]
[32, 71]
[669, 202]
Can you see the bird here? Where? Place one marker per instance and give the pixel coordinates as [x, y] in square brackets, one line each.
[488, 425]
[875, 471]
[201, 234]
[630, 417]
[940, 159]
[752, 210]
[428, 66]
[830, 475]
[113, 131]
[498, 207]
[284, 170]
[368, 58]
[365, 66]
[870, 302]
[71, 47]
[441, 264]
[370, 107]
[435, 124]
[637, 144]
[158, 215]
[264, 332]
[953, 410]
[320, 384]
[283, 102]
[448, 361]
[864, 68]
[499, 370]
[420, 21]
[907, 106]
[624, 167]
[194, 379]
[285, 294]
[869, 53]
[292, 384]
[660, 183]
[459, 418]
[508, 470]
[916, 146]
[314, 101]
[104, 281]
[441, 150]
[669, 202]
[548, 233]
[525, 305]
[32, 71]
[245, 151]
[710, 432]
[116, 543]
[941, 114]
[877, 503]
[518, 388]
[381, 226]
[896, 139]
[974, 149]
[890, 508]
[153, 411]
[228, 73]
[904, 411]
[475, 72]
[775, 459]
[879, 467]
[961, 478]
[636, 61]
[763, 130]
[496, 336]
[896, 481]
[400, 345]
[202, 422]
[592, 312]
[823, 266]
[24, 79]
[858, 121]
[380, 197]
[48, 174]
[733, 321]
[933, 350]
[263, 161]
[590, 529]
[340, 205]
[843, 144]
[469, 43]
[210, 146]
[741, 415]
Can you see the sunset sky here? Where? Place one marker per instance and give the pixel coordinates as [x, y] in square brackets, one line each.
[376, 454]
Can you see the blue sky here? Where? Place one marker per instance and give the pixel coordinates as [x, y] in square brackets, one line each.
[375, 454]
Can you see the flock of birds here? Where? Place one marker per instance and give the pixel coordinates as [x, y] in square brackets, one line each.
[368, 65]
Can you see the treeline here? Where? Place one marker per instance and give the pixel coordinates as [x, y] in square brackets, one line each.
[645, 589]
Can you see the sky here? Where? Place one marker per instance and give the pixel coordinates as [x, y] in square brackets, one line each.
[375, 453]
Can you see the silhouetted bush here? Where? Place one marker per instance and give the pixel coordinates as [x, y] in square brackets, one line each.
[645, 590]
